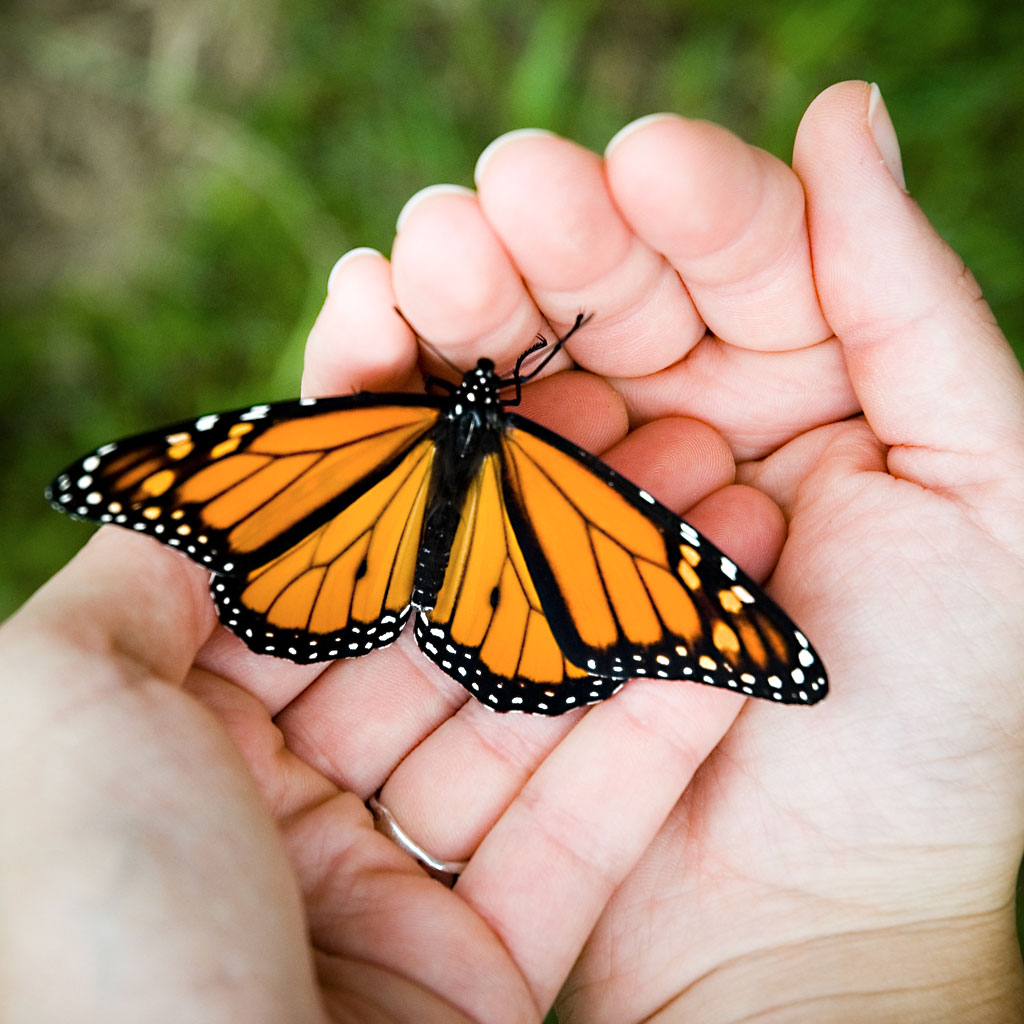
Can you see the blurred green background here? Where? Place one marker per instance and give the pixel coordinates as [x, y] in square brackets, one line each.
[179, 176]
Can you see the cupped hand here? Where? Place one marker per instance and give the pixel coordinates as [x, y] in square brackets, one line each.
[858, 863]
[803, 333]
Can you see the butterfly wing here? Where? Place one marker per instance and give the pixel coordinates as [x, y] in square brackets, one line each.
[487, 628]
[631, 589]
[307, 512]
[563, 579]
[566, 579]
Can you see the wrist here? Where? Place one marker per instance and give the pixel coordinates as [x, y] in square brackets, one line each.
[945, 970]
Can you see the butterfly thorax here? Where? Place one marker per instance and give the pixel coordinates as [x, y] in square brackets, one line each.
[468, 430]
[474, 415]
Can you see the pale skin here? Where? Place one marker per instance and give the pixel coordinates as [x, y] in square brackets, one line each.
[184, 835]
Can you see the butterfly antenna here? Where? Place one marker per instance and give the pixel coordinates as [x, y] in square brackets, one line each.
[518, 379]
[581, 319]
[540, 343]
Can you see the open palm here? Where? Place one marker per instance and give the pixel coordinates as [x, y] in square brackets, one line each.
[673, 850]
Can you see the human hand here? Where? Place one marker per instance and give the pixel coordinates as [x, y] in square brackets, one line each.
[857, 863]
[834, 864]
[148, 845]
[145, 843]
[555, 821]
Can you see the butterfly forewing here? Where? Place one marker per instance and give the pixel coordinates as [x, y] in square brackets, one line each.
[236, 488]
[307, 512]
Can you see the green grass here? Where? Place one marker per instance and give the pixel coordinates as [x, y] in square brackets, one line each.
[178, 180]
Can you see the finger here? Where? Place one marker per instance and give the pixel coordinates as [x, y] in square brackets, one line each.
[932, 370]
[274, 681]
[545, 871]
[450, 789]
[755, 400]
[358, 342]
[124, 604]
[746, 524]
[390, 940]
[730, 219]
[359, 718]
[287, 784]
[547, 200]
[456, 284]
[583, 408]
[682, 460]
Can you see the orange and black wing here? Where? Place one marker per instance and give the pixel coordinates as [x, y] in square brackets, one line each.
[307, 512]
[565, 580]
[488, 627]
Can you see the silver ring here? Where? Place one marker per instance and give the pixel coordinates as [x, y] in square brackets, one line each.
[445, 871]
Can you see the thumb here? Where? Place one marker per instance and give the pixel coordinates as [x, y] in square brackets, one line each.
[124, 609]
[935, 377]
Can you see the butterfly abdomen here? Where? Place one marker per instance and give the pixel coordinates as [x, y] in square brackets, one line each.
[439, 530]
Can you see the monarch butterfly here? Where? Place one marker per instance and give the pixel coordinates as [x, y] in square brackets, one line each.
[542, 579]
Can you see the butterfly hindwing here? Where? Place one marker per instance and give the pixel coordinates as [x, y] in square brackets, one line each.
[345, 588]
[487, 628]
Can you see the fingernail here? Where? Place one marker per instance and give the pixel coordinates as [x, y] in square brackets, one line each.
[350, 255]
[431, 190]
[517, 133]
[633, 126]
[885, 136]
